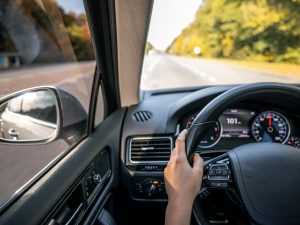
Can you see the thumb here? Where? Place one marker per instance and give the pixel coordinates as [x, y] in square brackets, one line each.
[198, 162]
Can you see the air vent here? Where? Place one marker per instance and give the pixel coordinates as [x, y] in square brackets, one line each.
[142, 116]
[150, 150]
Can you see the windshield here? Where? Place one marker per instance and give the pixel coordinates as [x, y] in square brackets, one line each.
[197, 43]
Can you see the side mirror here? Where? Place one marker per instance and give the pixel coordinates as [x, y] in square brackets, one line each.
[41, 114]
[32, 115]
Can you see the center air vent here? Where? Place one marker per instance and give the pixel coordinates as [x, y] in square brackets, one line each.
[142, 116]
[150, 150]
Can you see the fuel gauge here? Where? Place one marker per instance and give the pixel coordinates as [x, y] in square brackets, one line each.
[294, 141]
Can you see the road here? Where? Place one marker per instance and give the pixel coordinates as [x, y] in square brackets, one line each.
[75, 78]
[166, 71]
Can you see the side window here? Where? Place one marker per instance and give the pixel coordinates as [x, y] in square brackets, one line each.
[42, 43]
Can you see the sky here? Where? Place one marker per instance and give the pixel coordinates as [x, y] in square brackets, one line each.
[71, 5]
[169, 18]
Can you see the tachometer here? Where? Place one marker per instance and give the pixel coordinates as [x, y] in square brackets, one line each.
[213, 135]
[270, 126]
[294, 141]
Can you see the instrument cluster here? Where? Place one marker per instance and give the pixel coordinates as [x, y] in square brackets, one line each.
[237, 126]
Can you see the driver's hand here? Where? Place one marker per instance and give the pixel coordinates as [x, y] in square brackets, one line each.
[183, 183]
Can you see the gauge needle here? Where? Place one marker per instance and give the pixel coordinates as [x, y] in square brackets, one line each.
[270, 120]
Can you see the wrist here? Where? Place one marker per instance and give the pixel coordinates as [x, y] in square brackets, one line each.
[178, 213]
[183, 206]
[180, 201]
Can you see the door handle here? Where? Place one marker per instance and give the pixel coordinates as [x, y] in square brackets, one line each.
[13, 133]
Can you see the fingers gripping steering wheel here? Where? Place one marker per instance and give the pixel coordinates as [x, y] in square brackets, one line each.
[266, 176]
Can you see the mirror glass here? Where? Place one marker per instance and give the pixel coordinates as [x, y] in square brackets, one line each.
[30, 116]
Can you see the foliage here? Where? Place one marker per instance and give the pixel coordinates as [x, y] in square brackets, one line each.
[262, 30]
[81, 43]
[78, 31]
[54, 27]
[148, 47]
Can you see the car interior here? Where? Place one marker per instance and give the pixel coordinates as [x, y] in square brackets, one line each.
[112, 171]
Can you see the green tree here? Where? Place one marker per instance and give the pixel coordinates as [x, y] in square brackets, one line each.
[262, 30]
[81, 42]
[148, 47]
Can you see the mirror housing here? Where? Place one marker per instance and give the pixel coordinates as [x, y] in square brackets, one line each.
[41, 115]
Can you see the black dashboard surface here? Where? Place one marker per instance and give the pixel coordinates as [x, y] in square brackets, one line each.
[166, 108]
[171, 109]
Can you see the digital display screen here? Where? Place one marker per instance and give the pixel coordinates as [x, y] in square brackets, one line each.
[236, 123]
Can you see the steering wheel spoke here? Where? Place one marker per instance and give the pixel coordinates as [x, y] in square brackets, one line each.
[217, 173]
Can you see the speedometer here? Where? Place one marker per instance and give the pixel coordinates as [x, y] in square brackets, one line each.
[270, 126]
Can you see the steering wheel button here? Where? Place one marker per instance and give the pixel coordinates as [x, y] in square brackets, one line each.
[220, 185]
[225, 172]
[219, 178]
[211, 172]
[219, 172]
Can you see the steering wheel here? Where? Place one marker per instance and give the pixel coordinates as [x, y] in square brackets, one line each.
[265, 176]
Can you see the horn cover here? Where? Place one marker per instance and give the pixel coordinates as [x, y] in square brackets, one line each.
[268, 179]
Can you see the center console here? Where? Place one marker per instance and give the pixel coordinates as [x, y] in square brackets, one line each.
[148, 188]
[146, 160]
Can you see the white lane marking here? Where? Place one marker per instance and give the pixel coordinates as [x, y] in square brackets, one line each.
[212, 79]
[202, 74]
[153, 63]
[196, 71]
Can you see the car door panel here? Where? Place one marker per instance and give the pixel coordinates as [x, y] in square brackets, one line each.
[50, 191]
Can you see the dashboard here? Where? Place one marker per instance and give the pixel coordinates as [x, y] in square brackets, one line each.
[238, 126]
[151, 127]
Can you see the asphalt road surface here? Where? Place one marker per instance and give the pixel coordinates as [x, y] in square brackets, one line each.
[75, 78]
[166, 71]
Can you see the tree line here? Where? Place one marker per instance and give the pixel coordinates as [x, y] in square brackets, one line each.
[60, 33]
[257, 30]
